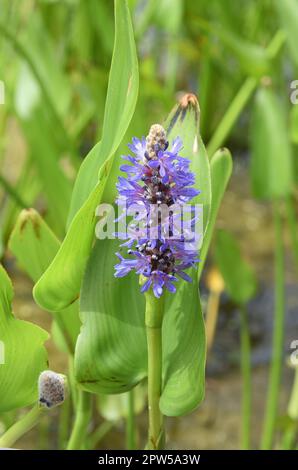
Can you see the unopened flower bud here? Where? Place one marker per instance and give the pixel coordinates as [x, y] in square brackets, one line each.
[51, 388]
[155, 141]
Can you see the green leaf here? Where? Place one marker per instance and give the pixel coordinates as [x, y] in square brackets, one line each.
[271, 160]
[184, 351]
[56, 186]
[221, 169]
[288, 15]
[24, 353]
[120, 104]
[111, 352]
[34, 245]
[240, 280]
[183, 122]
[60, 284]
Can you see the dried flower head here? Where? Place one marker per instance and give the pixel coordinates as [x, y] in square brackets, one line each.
[156, 176]
[51, 389]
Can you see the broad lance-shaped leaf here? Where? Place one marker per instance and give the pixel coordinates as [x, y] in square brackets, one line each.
[34, 246]
[271, 159]
[23, 355]
[221, 169]
[120, 104]
[240, 280]
[60, 284]
[111, 352]
[183, 122]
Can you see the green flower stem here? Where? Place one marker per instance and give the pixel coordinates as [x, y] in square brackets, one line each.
[246, 379]
[278, 337]
[153, 321]
[82, 419]
[241, 99]
[21, 427]
[130, 422]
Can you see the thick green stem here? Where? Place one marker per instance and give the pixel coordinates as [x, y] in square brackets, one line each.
[153, 320]
[246, 378]
[82, 419]
[21, 427]
[278, 337]
[130, 422]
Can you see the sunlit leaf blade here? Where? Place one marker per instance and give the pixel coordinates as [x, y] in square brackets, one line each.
[59, 286]
[184, 352]
[240, 280]
[34, 245]
[221, 169]
[111, 352]
[120, 104]
[183, 122]
[24, 353]
[271, 161]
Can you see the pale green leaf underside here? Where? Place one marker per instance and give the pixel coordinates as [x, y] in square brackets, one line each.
[24, 353]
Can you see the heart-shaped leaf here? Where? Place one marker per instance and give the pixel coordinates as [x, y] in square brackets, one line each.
[25, 356]
[111, 352]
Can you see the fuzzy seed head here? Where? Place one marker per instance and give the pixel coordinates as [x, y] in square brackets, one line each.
[51, 389]
[156, 140]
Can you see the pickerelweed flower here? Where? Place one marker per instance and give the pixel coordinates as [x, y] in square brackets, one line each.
[157, 177]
